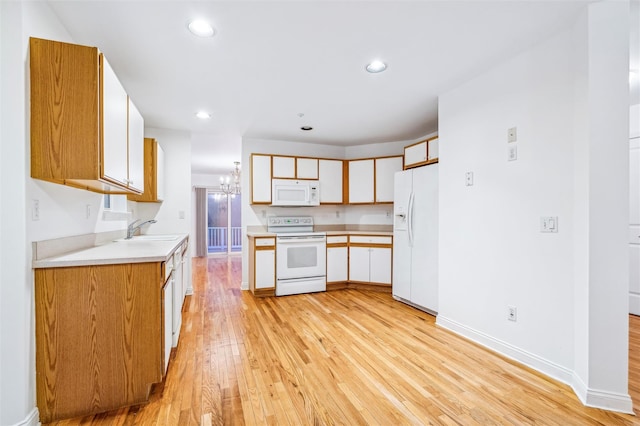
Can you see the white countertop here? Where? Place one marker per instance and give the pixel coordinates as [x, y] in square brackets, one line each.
[329, 233]
[116, 252]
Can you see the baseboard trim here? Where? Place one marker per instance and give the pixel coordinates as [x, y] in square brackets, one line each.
[32, 419]
[601, 399]
[536, 362]
[590, 397]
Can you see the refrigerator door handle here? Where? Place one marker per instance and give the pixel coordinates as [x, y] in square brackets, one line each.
[410, 218]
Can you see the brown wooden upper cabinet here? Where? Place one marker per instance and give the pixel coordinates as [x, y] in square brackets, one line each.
[153, 173]
[421, 153]
[85, 130]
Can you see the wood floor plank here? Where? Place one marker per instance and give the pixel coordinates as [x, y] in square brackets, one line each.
[342, 357]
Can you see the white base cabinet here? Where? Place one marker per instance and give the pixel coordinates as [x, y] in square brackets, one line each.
[370, 259]
[167, 298]
[262, 266]
[337, 264]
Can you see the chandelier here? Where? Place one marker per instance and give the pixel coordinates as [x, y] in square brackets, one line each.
[231, 184]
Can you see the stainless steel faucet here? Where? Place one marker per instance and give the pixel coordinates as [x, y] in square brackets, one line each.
[132, 229]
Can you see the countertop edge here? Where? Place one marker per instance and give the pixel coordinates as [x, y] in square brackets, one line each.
[102, 254]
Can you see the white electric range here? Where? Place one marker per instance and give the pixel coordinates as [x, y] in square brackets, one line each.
[301, 255]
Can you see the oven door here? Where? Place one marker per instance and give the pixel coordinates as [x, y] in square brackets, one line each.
[301, 256]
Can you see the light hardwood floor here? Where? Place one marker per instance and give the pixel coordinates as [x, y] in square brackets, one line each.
[343, 357]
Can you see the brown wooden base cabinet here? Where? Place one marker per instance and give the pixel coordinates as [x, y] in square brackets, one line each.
[99, 337]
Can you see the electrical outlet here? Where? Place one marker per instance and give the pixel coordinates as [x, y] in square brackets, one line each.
[181, 214]
[264, 214]
[35, 210]
[512, 134]
[513, 153]
[87, 212]
[468, 178]
[512, 313]
[337, 214]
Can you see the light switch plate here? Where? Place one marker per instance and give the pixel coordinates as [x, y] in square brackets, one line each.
[549, 224]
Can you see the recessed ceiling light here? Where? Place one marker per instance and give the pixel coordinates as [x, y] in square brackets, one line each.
[203, 115]
[201, 28]
[376, 66]
[306, 128]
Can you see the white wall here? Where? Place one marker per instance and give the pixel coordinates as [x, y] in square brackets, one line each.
[16, 384]
[62, 209]
[174, 214]
[492, 253]
[19, 21]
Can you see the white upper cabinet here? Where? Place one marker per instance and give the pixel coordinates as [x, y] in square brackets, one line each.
[261, 179]
[385, 169]
[330, 175]
[307, 168]
[432, 151]
[361, 181]
[136, 148]
[415, 155]
[421, 153]
[284, 167]
[114, 126]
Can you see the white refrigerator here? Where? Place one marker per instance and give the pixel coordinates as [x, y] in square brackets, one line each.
[415, 237]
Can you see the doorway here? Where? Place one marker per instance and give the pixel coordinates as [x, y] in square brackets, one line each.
[224, 230]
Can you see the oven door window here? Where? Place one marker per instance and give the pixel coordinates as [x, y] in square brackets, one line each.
[302, 257]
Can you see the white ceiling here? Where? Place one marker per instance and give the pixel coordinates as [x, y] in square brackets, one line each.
[272, 60]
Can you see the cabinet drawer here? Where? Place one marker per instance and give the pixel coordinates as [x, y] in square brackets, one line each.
[370, 239]
[265, 242]
[336, 239]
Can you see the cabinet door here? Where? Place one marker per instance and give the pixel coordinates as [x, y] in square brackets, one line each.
[284, 167]
[167, 299]
[307, 168]
[177, 302]
[360, 181]
[136, 148]
[337, 264]
[114, 127]
[359, 264]
[260, 179]
[380, 265]
[330, 175]
[432, 152]
[415, 155]
[159, 172]
[265, 268]
[385, 170]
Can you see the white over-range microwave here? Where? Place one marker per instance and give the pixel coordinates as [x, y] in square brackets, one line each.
[290, 192]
